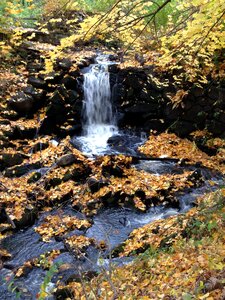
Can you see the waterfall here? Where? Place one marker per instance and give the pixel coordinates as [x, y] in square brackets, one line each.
[99, 123]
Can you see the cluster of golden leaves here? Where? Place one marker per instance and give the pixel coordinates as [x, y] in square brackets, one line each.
[171, 146]
[58, 225]
[171, 230]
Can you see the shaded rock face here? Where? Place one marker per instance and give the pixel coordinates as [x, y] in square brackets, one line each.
[144, 100]
[140, 98]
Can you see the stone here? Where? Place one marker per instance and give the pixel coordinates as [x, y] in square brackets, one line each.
[72, 96]
[135, 114]
[34, 177]
[22, 103]
[196, 177]
[56, 108]
[28, 218]
[39, 147]
[37, 82]
[66, 160]
[155, 124]
[65, 64]
[95, 185]
[20, 170]
[69, 82]
[182, 128]
[215, 127]
[113, 68]
[197, 92]
[11, 159]
[53, 77]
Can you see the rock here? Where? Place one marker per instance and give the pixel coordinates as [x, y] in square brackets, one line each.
[39, 147]
[155, 124]
[72, 96]
[56, 109]
[95, 185]
[33, 67]
[134, 115]
[34, 177]
[37, 94]
[66, 160]
[11, 159]
[220, 116]
[195, 114]
[37, 82]
[28, 218]
[113, 68]
[65, 64]
[215, 127]
[11, 115]
[53, 77]
[20, 170]
[196, 177]
[69, 82]
[116, 140]
[182, 128]
[83, 63]
[22, 103]
[197, 92]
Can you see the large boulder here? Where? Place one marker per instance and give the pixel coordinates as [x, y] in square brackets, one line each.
[37, 82]
[22, 103]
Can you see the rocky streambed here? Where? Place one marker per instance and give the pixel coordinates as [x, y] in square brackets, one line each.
[65, 215]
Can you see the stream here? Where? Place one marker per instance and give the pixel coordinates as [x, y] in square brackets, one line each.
[112, 225]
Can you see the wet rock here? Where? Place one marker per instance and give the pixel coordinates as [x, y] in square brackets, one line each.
[11, 159]
[65, 64]
[196, 177]
[72, 96]
[28, 218]
[113, 68]
[20, 170]
[34, 177]
[83, 63]
[215, 127]
[37, 82]
[95, 185]
[183, 128]
[40, 146]
[37, 94]
[22, 103]
[66, 160]
[69, 82]
[116, 140]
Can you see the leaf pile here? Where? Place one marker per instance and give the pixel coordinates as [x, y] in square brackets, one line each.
[56, 226]
[171, 146]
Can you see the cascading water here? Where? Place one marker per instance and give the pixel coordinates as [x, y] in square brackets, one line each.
[99, 123]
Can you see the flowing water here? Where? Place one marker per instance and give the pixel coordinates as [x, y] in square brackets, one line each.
[99, 123]
[99, 117]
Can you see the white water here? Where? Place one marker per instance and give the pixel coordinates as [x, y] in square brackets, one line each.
[99, 123]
